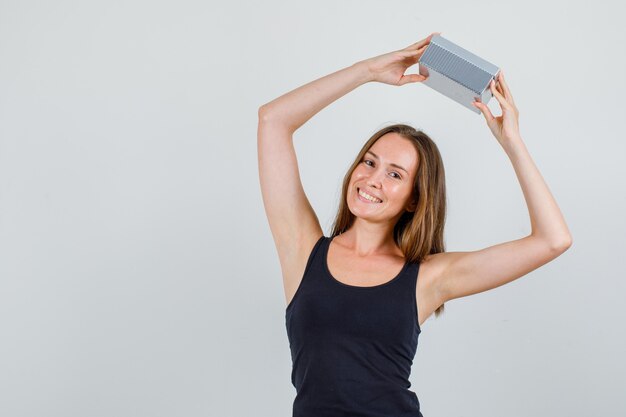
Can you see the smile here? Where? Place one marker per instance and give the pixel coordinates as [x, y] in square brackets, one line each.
[363, 196]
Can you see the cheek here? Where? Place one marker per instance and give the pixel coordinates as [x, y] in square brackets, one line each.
[356, 174]
[399, 191]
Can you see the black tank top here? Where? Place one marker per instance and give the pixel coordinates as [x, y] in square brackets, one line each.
[352, 347]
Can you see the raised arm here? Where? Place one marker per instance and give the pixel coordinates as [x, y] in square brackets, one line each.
[294, 108]
[292, 220]
[465, 273]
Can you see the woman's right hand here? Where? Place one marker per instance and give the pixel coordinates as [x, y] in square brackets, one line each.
[390, 68]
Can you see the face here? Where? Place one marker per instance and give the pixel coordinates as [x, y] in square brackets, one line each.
[386, 172]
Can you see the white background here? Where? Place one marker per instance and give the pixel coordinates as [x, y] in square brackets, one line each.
[138, 275]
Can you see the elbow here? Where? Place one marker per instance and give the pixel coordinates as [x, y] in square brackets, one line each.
[262, 113]
[267, 115]
[562, 244]
[556, 243]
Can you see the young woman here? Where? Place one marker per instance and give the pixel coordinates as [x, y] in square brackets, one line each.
[354, 304]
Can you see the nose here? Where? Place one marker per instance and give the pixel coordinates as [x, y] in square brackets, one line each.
[374, 180]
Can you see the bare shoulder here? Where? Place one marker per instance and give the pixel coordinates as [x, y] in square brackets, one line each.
[293, 260]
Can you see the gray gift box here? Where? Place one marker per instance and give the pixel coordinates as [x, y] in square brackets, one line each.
[457, 73]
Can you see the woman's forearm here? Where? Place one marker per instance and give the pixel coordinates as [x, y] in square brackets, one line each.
[296, 107]
[546, 219]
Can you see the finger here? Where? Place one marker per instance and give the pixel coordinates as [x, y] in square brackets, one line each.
[500, 90]
[413, 53]
[498, 96]
[498, 86]
[505, 87]
[423, 42]
[411, 78]
[484, 110]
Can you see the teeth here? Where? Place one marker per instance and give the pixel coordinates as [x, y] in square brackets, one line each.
[369, 197]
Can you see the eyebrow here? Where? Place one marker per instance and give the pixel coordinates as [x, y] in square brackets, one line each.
[392, 164]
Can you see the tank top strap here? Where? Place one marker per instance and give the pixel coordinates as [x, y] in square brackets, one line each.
[410, 281]
[315, 257]
[312, 270]
[412, 272]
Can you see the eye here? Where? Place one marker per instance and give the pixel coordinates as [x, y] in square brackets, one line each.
[399, 177]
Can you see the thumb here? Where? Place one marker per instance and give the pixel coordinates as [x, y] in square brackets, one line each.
[411, 78]
[484, 110]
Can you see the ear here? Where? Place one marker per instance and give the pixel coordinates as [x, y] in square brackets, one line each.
[412, 206]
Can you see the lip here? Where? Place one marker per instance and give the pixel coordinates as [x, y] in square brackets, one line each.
[365, 200]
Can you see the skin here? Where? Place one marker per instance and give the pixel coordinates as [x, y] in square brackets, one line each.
[372, 231]
[443, 276]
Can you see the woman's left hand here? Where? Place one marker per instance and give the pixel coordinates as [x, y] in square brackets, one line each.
[506, 126]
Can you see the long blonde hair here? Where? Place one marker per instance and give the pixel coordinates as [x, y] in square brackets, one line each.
[418, 233]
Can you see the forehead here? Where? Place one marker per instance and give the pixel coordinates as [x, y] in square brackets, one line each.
[393, 148]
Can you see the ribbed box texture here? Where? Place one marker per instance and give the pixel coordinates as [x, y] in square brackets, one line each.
[457, 73]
